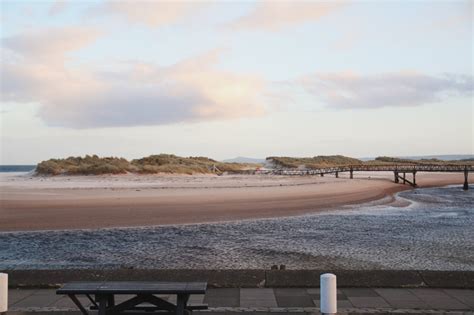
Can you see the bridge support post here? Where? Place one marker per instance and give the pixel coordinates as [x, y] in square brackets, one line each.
[395, 173]
[404, 178]
[414, 178]
[337, 174]
[351, 171]
[466, 183]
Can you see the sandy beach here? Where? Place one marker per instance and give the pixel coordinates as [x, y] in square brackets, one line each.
[65, 202]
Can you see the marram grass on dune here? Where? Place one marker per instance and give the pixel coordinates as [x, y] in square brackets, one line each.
[172, 164]
[154, 164]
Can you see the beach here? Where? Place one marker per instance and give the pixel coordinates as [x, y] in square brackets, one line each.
[30, 203]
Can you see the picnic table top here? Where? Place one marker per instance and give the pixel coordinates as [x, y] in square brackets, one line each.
[133, 287]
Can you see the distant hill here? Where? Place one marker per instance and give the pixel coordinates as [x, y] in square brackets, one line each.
[243, 159]
[444, 157]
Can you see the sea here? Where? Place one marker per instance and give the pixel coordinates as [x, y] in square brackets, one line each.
[425, 228]
[16, 168]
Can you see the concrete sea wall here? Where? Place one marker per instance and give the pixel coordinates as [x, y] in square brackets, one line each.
[249, 278]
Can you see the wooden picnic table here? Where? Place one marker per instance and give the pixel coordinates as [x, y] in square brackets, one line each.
[142, 291]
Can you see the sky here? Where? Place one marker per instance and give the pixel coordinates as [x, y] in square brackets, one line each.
[235, 78]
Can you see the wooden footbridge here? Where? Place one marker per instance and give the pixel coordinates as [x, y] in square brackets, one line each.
[399, 171]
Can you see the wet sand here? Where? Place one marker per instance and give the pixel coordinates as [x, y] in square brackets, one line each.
[57, 203]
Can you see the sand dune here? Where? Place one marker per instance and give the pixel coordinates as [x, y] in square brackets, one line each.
[40, 203]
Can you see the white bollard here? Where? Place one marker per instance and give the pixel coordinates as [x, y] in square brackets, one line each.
[3, 292]
[328, 298]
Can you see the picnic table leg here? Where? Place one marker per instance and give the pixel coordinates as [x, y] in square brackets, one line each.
[102, 304]
[181, 302]
[78, 304]
[111, 301]
[92, 301]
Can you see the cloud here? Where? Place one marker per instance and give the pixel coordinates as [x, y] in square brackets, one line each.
[57, 7]
[461, 17]
[48, 45]
[347, 41]
[34, 62]
[349, 90]
[276, 15]
[134, 94]
[149, 13]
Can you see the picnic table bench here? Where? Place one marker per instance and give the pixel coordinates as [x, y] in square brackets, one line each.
[144, 296]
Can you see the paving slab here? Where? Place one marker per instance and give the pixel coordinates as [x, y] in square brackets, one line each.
[257, 298]
[196, 299]
[340, 303]
[465, 296]
[40, 298]
[291, 292]
[221, 301]
[316, 293]
[396, 293]
[368, 302]
[66, 302]
[16, 295]
[358, 292]
[223, 297]
[225, 292]
[294, 301]
[123, 297]
[402, 298]
[439, 299]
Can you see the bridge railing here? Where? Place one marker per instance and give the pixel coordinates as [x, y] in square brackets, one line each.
[372, 168]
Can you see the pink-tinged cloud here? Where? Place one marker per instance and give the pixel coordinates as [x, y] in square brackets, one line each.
[150, 13]
[138, 94]
[34, 62]
[461, 18]
[57, 7]
[48, 45]
[276, 15]
[348, 90]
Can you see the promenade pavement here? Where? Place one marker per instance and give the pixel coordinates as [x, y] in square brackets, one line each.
[280, 301]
